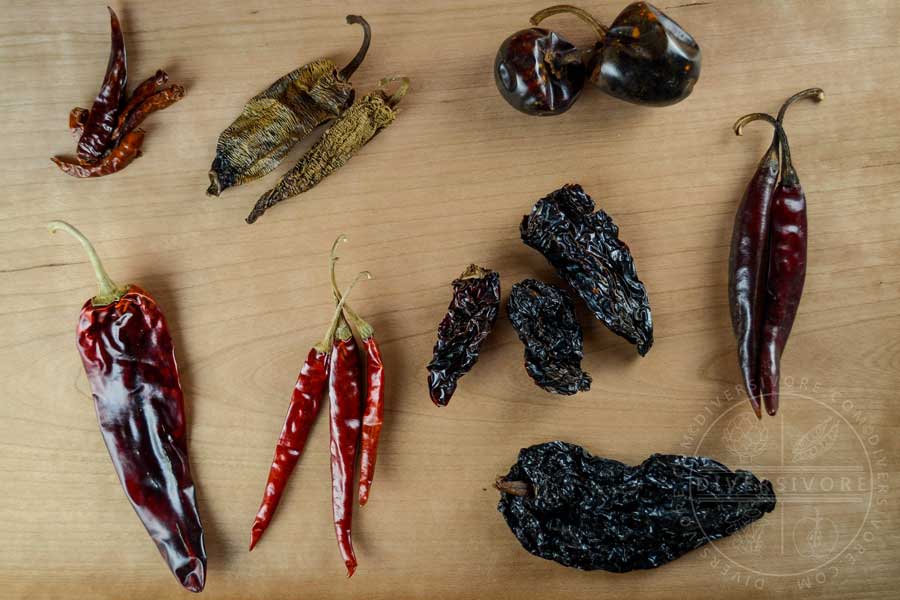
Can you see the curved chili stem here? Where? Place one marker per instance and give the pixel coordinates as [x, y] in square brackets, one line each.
[815, 93]
[599, 28]
[365, 330]
[325, 344]
[351, 67]
[402, 89]
[788, 174]
[109, 291]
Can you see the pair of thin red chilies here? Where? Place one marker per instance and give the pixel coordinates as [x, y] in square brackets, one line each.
[355, 422]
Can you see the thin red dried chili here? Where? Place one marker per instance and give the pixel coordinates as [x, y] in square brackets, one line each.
[101, 121]
[129, 360]
[373, 406]
[122, 155]
[164, 98]
[301, 413]
[143, 91]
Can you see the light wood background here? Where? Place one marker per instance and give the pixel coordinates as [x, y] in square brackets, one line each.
[446, 185]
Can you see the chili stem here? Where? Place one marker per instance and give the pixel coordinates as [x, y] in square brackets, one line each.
[109, 291]
[514, 488]
[600, 29]
[325, 344]
[365, 330]
[348, 71]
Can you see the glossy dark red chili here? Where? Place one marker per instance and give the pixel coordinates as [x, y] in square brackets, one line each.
[768, 263]
[104, 113]
[301, 414]
[129, 360]
[373, 406]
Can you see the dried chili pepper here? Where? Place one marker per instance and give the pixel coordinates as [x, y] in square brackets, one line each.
[144, 90]
[469, 319]
[767, 266]
[544, 317]
[279, 117]
[346, 414]
[585, 249]
[77, 119]
[301, 413]
[164, 98]
[101, 120]
[589, 512]
[129, 360]
[373, 406]
[128, 149]
[349, 133]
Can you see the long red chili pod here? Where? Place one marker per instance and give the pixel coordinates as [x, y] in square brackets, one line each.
[98, 130]
[747, 266]
[143, 91]
[301, 414]
[373, 406]
[121, 156]
[164, 98]
[129, 360]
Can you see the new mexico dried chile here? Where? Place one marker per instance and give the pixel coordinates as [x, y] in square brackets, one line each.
[590, 512]
[544, 317]
[585, 249]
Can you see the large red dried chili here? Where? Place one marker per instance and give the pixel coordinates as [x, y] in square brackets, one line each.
[768, 262]
[129, 360]
[373, 406]
[301, 413]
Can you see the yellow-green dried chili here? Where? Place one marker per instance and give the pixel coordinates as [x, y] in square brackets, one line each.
[276, 119]
[353, 130]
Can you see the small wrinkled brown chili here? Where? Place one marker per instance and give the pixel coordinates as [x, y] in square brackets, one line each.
[128, 149]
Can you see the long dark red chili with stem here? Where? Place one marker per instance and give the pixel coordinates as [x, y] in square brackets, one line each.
[776, 275]
[346, 414]
[301, 414]
[373, 406]
[129, 360]
[104, 113]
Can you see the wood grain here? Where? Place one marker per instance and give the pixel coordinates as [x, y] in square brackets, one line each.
[446, 185]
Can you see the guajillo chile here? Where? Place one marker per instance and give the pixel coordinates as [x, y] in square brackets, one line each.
[301, 414]
[373, 406]
[129, 360]
[346, 414]
[783, 265]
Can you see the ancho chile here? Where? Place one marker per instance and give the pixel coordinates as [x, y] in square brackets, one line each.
[767, 263]
[107, 134]
[544, 317]
[469, 319]
[282, 115]
[643, 57]
[129, 360]
[344, 138]
[585, 249]
[589, 512]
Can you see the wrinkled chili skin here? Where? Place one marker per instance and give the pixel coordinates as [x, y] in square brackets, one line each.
[646, 58]
[784, 287]
[346, 414]
[373, 417]
[164, 98]
[144, 90]
[130, 363]
[585, 249]
[544, 317]
[128, 149]
[469, 319]
[101, 120]
[748, 269]
[302, 411]
[589, 512]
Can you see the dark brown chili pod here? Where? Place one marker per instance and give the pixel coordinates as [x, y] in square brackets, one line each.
[469, 319]
[286, 112]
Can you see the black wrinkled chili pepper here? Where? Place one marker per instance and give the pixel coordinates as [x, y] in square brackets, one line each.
[767, 264]
[590, 513]
[104, 113]
[279, 117]
[469, 319]
[585, 249]
[544, 317]
[129, 360]
[349, 133]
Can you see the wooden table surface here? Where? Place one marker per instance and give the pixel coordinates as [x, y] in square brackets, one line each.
[447, 185]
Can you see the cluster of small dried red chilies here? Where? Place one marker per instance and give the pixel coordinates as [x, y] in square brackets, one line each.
[107, 134]
[767, 265]
[355, 421]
